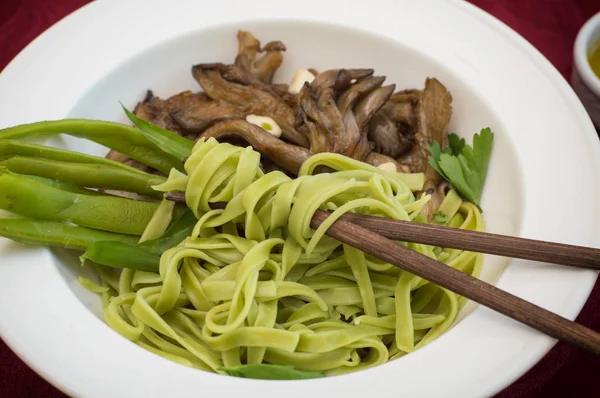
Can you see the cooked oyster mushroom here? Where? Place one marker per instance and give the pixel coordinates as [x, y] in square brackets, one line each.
[195, 117]
[433, 113]
[346, 111]
[330, 117]
[393, 128]
[249, 99]
[263, 67]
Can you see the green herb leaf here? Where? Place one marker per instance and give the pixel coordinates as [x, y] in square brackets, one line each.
[179, 229]
[465, 167]
[440, 217]
[270, 372]
[165, 140]
[456, 144]
[434, 159]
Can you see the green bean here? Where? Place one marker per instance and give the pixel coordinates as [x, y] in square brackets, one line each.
[34, 199]
[10, 148]
[120, 137]
[57, 184]
[121, 255]
[144, 256]
[86, 175]
[52, 233]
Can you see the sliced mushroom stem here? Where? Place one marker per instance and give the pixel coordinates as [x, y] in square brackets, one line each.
[290, 157]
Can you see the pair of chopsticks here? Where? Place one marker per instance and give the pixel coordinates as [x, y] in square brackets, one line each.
[376, 235]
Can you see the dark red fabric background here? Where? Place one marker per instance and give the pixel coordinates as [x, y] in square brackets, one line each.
[550, 25]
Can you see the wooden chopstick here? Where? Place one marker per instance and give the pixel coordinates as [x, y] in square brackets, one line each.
[454, 238]
[463, 284]
[480, 242]
[352, 230]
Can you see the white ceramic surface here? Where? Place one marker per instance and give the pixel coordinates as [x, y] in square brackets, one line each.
[585, 82]
[537, 187]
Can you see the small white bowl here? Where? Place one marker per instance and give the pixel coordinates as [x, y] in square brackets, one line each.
[585, 82]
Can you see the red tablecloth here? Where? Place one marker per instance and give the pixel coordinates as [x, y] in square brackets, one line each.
[550, 25]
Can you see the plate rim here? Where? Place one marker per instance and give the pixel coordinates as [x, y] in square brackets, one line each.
[537, 58]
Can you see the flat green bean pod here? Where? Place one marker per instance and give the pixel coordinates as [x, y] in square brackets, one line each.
[89, 175]
[35, 199]
[11, 148]
[120, 137]
[52, 233]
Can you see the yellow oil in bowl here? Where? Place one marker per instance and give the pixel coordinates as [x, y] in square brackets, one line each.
[594, 59]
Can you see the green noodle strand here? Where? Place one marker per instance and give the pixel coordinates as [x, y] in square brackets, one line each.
[255, 284]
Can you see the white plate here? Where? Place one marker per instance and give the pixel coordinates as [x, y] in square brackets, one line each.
[544, 179]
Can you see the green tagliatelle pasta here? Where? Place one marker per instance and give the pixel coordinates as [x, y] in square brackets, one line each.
[255, 284]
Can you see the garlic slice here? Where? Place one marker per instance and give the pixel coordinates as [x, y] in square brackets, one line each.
[388, 166]
[266, 123]
[302, 76]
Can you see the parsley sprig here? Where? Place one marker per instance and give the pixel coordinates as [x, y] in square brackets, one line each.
[465, 167]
